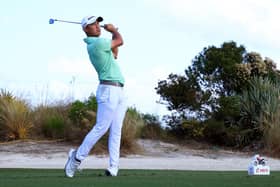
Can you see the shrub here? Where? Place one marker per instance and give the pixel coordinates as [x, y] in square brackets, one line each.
[272, 140]
[76, 132]
[260, 112]
[214, 131]
[54, 127]
[272, 134]
[218, 133]
[6, 95]
[51, 121]
[91, 103]
[83, 113]
[131, 130]
[132, 126]
[152, 128]
[15, 118]
[193, 129]
[77, 111]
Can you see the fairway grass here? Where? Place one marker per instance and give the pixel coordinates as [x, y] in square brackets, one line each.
[135, 178]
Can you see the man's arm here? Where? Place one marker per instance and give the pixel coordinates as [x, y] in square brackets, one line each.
[116, 38]
[115, 52]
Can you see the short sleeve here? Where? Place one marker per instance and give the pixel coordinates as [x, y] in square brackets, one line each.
[104, 44]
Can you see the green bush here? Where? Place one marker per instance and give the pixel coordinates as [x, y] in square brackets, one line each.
[228, 110]
[215, 131]
[260, 111]
[193, 129]
[91, 103]
[54, 127]
[77, 111]
[152, 128]
[51, 121]
[83, 114]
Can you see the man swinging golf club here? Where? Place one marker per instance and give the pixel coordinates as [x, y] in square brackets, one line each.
[110, 97]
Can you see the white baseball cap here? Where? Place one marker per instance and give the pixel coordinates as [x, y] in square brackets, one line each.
[89, 20]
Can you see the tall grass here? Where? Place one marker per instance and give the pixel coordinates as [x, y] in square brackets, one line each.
[73, 121]
[52, 122]
[65, 121]
[15, 116]
[271, 121]
[272, 137]
[132, 127]
[153, 129]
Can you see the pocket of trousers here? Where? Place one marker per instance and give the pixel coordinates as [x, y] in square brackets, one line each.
[103, 94]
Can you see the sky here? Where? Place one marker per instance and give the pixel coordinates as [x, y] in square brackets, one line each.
[46, 63]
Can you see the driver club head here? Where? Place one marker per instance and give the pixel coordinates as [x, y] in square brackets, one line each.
[51, 21]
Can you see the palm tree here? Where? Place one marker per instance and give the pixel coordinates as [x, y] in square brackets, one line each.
[260, 109]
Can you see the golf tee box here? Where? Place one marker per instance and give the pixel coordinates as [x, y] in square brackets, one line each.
[258, 170]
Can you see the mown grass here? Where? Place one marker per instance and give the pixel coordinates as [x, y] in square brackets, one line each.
[135, 178]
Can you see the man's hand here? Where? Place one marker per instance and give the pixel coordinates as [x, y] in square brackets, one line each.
[116, 38]
[115, 52]
[110, 28]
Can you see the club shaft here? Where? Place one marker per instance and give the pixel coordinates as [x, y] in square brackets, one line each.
[75, 22]
[72, 22]
[67, 21]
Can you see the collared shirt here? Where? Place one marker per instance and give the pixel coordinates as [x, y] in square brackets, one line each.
[102, 58]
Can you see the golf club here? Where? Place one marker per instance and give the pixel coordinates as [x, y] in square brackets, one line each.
[51, 21]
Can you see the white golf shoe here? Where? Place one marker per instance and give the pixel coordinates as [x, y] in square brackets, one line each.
[111, 171]
[72, 164]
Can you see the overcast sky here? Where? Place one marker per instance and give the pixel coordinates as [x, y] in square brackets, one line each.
[44, 63]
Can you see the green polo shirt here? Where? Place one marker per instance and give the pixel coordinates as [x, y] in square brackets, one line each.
[102, 58]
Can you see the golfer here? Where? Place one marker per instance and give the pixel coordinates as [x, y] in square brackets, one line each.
[110, 95]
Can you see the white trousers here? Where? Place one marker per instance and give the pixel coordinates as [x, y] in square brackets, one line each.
[111, 111]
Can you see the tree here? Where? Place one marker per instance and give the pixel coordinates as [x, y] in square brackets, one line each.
[182, 93]
[211, 76]
[210, 90]
[215, 68]
[255, 66]
[216, 76]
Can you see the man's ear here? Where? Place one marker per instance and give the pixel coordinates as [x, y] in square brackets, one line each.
[85, 30]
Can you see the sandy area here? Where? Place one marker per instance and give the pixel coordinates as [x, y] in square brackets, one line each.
[156, 155]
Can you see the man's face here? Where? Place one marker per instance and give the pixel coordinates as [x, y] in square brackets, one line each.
[93, 29]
